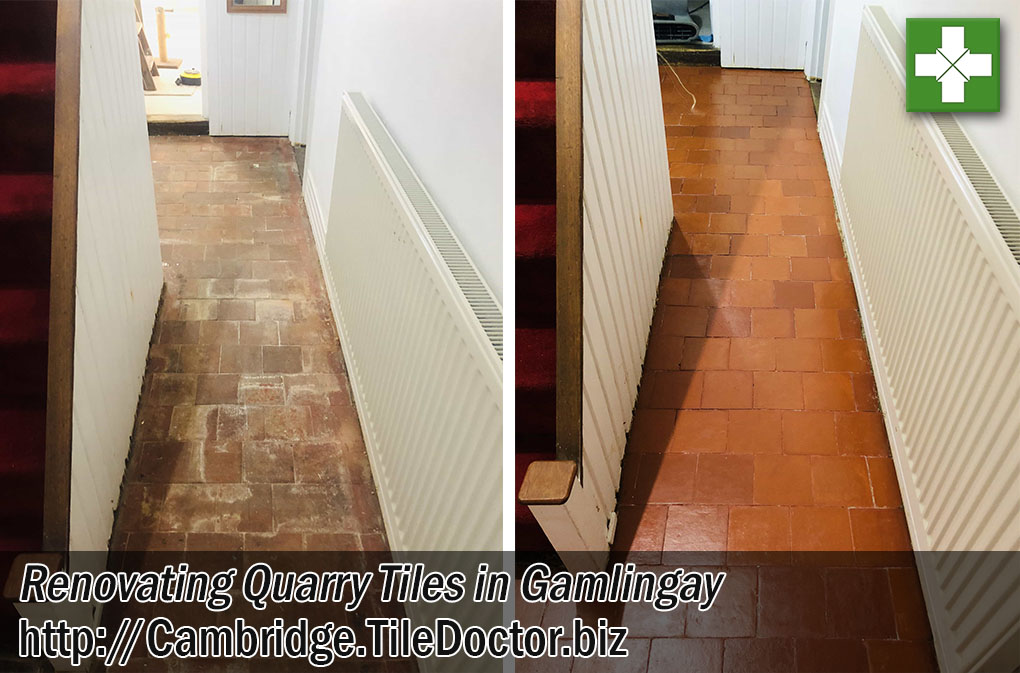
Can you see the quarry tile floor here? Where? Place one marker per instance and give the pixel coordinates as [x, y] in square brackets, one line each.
[246, 436]
[757, 426]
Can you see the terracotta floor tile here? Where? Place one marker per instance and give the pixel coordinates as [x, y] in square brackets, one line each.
[809, 432]
[696, 528]
[782, 480]
[861, 433]
[816, 323]
[667, 479]
[791, 602]
[730, 267]
[684, 320]
[828, 391]
[772, 322]
[810, 268]
[795, 294]
[770, 268]
[752, 354]
[845, 355]
[758, 655]
[733, 613]
[676, 390]
[901, 656]
[759, 529]
[686, 655]
[879, 530]
[705, 353]
[728, 322]
[831, 656]
[754, 431]
[664, 352]
[727, 390]
[821, 529]
[699, 431]
[724, 479]
[651, 430]
[884, 486]
[908, 603]
[214, 461]
[641, 528]
[841, 480]
[798, 355]
[778, 390]
[859, 602]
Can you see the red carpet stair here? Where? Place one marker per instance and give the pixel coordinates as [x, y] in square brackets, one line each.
[535, 249]
[27, 49]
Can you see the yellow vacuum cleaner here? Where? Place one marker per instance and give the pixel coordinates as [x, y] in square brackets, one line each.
[190, 77]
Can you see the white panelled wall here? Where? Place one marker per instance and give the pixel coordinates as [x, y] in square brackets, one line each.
[119, 272]
[628, 211]
[763, 33]
[250, 67]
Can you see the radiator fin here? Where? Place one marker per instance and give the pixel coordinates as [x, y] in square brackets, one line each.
[477, 293]
[939, 292]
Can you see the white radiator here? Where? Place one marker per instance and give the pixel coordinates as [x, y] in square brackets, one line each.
[934, 246]
[422, 338]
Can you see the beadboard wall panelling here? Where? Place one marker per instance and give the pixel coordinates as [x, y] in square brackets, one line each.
[252, 64]
[627, 215]
[763, 33]
[119, 271]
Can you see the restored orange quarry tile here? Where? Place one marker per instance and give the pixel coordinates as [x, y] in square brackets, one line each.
[758, 426]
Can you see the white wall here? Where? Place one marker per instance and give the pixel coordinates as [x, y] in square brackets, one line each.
[627, 216]
[119, 271]
[433, 72]
[995, 135]
[250, 64]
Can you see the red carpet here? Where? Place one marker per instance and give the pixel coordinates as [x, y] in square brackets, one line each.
[27, 48]
[535, 249]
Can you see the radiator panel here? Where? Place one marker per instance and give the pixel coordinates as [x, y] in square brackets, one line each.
[421, 335]
[939, 290]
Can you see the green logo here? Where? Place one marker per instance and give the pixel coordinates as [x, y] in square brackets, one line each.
[952, 65]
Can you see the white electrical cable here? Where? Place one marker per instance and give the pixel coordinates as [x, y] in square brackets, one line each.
[672, 70]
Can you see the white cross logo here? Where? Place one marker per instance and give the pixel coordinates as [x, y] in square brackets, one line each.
[953, 64]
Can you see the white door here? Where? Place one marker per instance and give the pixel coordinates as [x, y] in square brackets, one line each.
[251, 64]
[763, 33]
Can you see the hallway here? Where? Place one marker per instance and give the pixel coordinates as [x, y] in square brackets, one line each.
[757, 426]
[246, 436]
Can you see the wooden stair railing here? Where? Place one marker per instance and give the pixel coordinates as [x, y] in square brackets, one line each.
[552, 489]
[569, 232]
[63, 269]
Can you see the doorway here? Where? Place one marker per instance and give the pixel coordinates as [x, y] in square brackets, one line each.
[171, 32]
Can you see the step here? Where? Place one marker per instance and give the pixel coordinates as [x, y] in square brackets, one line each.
[536, 358]
[536, 292]
[25, 254]
[24, 315]
[535, 39]
[26, 195]
[535, 103]
[28, 30]
[27, 79]
[26, 126]
[535, 230]
[535, 161]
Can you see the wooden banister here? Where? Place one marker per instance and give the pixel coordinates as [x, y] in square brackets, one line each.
[63, 268]
[569, 231]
